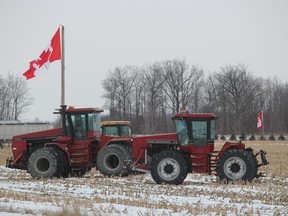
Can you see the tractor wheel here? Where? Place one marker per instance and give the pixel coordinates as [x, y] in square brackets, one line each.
[111, 160]
[250, 151]
[169, 167]
[236, 164]
[64, 168]
[43, 163]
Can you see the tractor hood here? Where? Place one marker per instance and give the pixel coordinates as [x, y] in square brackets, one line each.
[40, 134]
[168, 138]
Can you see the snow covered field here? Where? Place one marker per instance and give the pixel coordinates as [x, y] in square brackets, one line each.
[139, 195]
[94, 194]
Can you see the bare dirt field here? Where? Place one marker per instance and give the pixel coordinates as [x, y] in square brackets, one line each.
[94, 194]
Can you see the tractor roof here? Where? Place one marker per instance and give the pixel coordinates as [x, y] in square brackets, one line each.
[194, 115]
[83, 110]
[107, 123]
[72, 109]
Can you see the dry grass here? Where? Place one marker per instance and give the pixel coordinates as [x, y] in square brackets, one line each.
[103, 195]
[4, 153]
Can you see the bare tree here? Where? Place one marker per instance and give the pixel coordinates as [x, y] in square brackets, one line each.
[19, 95]
[182, 85]
[110, 86]
[119, 86]
[14, 97]
[211, 101]
[154, 79]
[276, 105]
[4, 99]
[138, 101]
[237, 92]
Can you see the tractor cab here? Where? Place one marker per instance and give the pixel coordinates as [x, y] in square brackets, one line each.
[82, 127]
[196, 133]
[116, 128]
[81, 123]
[196, 129]
[115, 131]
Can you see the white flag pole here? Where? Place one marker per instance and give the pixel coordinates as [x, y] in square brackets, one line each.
[262, 124]
[62, 67]
[263, 141]
[63, 106]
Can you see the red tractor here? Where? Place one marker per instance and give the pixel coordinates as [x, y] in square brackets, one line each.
[170, 157]
[66, 151]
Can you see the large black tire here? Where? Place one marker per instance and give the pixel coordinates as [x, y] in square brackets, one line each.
[169, 167]
[236, 164]
[111, 160]
[43, 163]
[128, 157]
[250, 151]
[64, 168]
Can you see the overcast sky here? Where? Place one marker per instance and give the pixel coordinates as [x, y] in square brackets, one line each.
[102, 35]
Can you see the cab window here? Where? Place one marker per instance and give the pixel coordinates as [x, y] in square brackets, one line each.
[212, 130]
[110, 130]
[94, 122]
[199, 133]
[125, 130]
[79, 125]
[181, 128]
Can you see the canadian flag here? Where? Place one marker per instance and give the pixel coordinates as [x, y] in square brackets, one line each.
[259, 120]
[50, 54]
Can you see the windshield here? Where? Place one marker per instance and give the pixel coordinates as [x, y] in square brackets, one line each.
[181, 128]
[94, 122]
[117, 130]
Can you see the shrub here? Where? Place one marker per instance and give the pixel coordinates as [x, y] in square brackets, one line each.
[232, 137]
[272, 138]
[223, 138]
[252, 138]
[281, 137]
[242, 136]
[262, 137]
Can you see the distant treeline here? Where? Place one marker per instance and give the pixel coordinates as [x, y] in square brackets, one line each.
[149, 95]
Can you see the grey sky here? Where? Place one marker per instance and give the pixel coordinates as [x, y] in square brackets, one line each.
[102, 35]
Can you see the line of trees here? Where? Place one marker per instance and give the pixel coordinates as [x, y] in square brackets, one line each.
[14, 97]
[149, 95]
